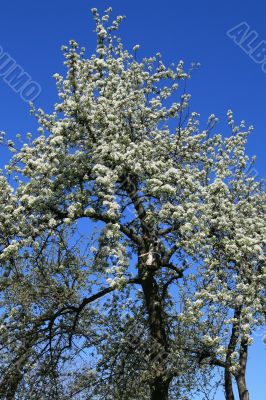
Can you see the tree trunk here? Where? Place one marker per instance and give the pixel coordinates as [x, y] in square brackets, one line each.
[242, 388]
[241, 377]
[228, 385]
[160, 390]
[159, 381]
[148, 265]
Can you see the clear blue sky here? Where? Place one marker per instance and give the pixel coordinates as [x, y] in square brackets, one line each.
[33, 31]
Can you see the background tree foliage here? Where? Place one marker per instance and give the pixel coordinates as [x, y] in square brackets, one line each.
[132, 242]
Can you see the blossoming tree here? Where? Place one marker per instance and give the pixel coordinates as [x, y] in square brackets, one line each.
[169, 217]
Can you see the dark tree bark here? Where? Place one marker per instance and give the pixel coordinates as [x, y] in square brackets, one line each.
[228, 385]
[159, 384]
[241, 376]
[242, 387]
[150, 261]
[160, 390]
